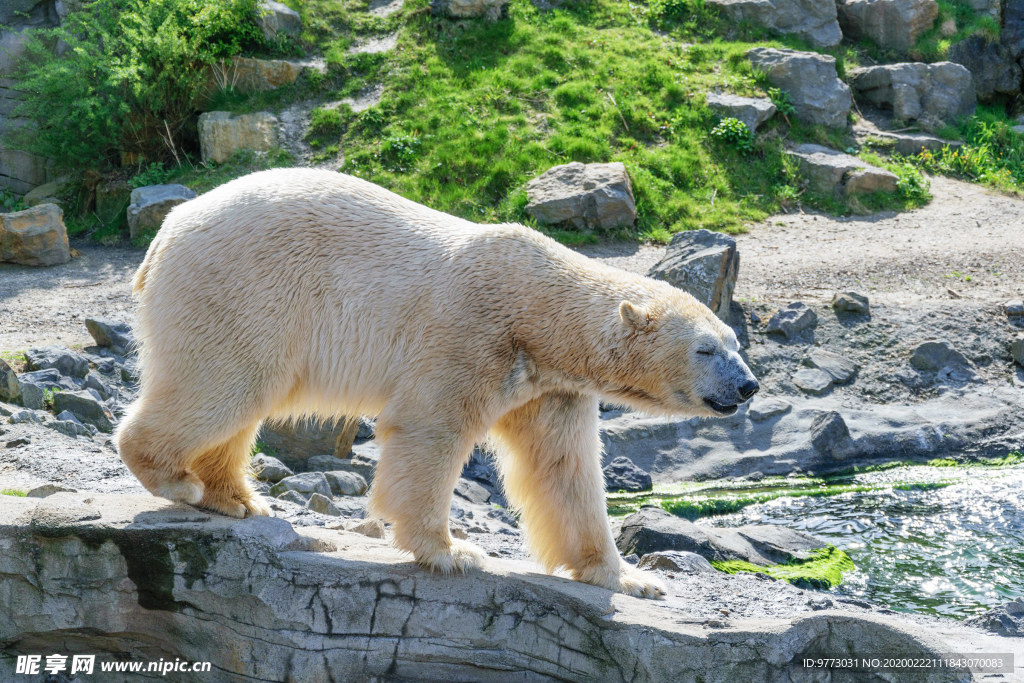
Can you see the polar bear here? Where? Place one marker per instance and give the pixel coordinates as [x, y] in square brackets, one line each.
[298, 292]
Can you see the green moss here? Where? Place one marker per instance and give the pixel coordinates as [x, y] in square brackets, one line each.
[824, 569]
[13, 492]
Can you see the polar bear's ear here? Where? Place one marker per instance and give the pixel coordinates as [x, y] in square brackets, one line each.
[634, 315]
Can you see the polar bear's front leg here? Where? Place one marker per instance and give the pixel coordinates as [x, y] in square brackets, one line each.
[412, 489]
[551, 468]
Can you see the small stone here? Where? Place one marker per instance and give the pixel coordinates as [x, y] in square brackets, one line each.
[1017, 349]
[48, 490]
[322, 504]
[1014, 309]
[839, 368]
[85, 407]
[94, 382]
[792, 321]
[830, 436]
[765, 409]
[752, 111]
[292, 497]
[346, 483]
[374, 528]
[276, 19]
[34, 237]
[32, 396]
[10, 388]
[816, 382]
[270, 469]
[472, 491]
[932, 356]
[597, 196]
[622, 474]
[68, 416]
[676, 561]
[24, 416]
[151, 204]
[64, 361]
[851, 302]
[307, 482]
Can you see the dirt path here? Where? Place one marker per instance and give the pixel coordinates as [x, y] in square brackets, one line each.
[967, 243]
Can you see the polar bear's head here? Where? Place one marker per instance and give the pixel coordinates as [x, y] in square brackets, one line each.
[683, 360]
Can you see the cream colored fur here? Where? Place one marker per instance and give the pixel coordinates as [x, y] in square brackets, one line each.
[300, 292]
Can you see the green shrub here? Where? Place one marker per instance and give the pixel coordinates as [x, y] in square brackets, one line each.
[735, 133]
[154, 174]
[125, 76]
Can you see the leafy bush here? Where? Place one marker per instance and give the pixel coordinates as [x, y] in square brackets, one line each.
[125, 76]
[735, 133]
[780, 98]
[10, 202]
[911, 185]
[154, 174]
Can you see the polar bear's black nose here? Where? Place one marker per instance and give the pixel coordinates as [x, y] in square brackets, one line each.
[748, 389]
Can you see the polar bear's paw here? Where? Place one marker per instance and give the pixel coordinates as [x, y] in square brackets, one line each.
[623, 578]
[458, 558]
[188, 488]
[234, 504]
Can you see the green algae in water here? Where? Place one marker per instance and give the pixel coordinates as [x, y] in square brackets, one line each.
[824, 569]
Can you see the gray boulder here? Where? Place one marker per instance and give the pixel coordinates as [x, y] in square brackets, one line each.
[815, 382]
[269, 468]
[1017, 349]
[345, 483]
[32, 395]
[472, 491]
[276, 19]
[1012, 34]
[10, 389]
[322, 504]
[116, 336]
[63, 360]
[931, 94]
[149, 205]
[680, 562]
[71, 428]
[307, 483]
[851, 302]
[992, 66]
[811, 81]
[936, 355]
[469, 9]
[703, 263]
[830, 436]
[815, 22]
[23, 417]
[830, 172]
[622, 475]
[1006, 620]
[584, 196]
[752, 111]
[221, 134]
[95, 382]
[839, 368]
[890, 24]
[85, 407]
[655, 530]
[792, 321]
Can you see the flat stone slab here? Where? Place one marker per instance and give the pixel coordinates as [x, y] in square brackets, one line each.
[829, 171]
[812, 381]
[103, 574]
[752, 111]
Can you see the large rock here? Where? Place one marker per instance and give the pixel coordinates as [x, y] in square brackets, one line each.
[753, 111]
[944, 359]
[221, 134]
[851, 302]
[345, 483]
[1012, 34]
[992, 66]
[654, 530]
[85, 407]
[815, 22]
[138, 578]
[114, 335]
[149, 205]
[307, 483]
[830, 172]
[622, 475]
[931, 94]
[247, 74]
[703, 263]
[811, 81]
[676, 561]
[792, 321]
[830, 436]
[34, 237]
[268, 468]
[1017, 349]
[890, 24]
[64, 361]
[10, 388]
[276, 19]
[583, 196]
[468, 9]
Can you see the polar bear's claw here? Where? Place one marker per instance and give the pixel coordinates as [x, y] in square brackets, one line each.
[458, 558]
[641, 584]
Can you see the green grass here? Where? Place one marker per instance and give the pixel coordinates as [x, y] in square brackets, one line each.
[16, 359]
[932, 46]
[824, 569]
[13, 492]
